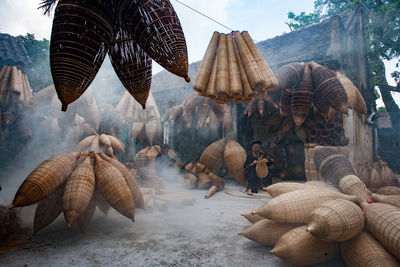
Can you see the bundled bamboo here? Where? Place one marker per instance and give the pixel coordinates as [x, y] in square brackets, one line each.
[383, 222]
[289, 75]
[330, 87]
[46, 178]
[364, 251]
[267, 232]
[212, 156]
[336, 220]
[393, 200]
[114, 188]
[389, 190]
[302, 97]
[299, 247]
[48, 209]
[234, 159]
[78, 191]
[155, 26]
[203, 74]
[352, 185]
[296, 206]
[75, 58]
[132, 65]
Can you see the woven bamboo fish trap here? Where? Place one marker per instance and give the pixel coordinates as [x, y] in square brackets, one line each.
[116, 144]
[129, 179]
[296, 206]
[352, 185]
[267, 232]
[87, 215]
[335, 221]
[387, 175]
[285, 187]
[330, 87]
[269, 77]
[389, 190]
[157, 29]
[383, 222]
[80, 40]
[302, 98]
[252, 217]
[78, 191]
[332, 165]
[132, 65]
[299, 247]
[48, 209]
[248, 92]
[234, 159]
[86, 142]
[393, 200]
[203, 112]
[204, 72]
[289, 75]
[375, 181]
[204, 181]
[104, 140]
[349, 88]
[261, 169]
[364, 251]
[235, 82]
[360, 104]
[114, 188]
[95, 145]
[222, 82]
[100, 201]
[45, 178]
[285, 106]
[320, 104]
[190, 180]
[211, 86]
[212, 156]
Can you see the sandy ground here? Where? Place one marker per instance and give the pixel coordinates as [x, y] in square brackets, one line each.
[204, 234]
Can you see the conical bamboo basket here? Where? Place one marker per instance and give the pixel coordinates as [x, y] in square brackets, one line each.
[129, 179]
[234, 159]
[86, 142]
[252, 217]
[45, 178]
[114, 188]
[383, 222]
[151, 130]
[299, 247]
[352, 185]
[336, 220]
[349, 88]
[235, 82]
[248, 92]
[286, 102]
[204, 72]
[302, 97]
[204, 181]
[296, 206]
[212, 156]
[100, 201]
[267, 232]
[364, 251]
[289, 75]
[222, 82]
[48, 209]
[104, 140]
[78, 191]
[261, 170]
[87, 215]
[116, 144]
[393, 200]
[389, 190]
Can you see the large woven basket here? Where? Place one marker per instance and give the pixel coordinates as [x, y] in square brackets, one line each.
[234, 158]
[302, 98]
[212, 156]
[299, 247]
[336, 220]
[132, 65]
[383, 222]
[159, 32]
[285, 106]
[267, 232]
[352, 185]
[289, 75]
[80, 37]
[364, 250]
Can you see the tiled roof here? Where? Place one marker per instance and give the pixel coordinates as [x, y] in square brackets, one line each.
[12, 51]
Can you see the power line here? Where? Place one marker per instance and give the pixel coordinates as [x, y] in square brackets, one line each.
[204, 15]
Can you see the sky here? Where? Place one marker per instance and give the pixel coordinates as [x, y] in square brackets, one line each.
[263, 19]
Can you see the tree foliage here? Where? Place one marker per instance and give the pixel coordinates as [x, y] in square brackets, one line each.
[382, 31]
[39, 72]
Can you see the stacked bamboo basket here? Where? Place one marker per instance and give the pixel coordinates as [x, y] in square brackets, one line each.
[14, 85]
[131, 33]
[233, 70]
[308, 223]
[76, 183]
[200, 112]
[142, 122]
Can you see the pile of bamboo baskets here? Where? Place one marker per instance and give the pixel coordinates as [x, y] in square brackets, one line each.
[309, 223]
[197, 175]
[14, 87]
[131, 33]
[76, 183]
[142, 122]
[233, 70]
[200, 112]
[102, 142]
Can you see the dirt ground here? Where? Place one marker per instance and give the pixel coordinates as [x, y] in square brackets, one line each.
[204, 234]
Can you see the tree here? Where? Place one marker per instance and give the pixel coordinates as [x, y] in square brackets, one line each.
[39, 72]
[382, 33]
